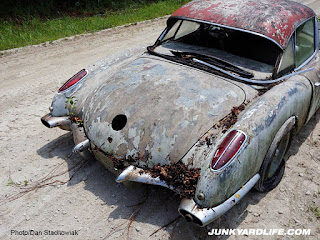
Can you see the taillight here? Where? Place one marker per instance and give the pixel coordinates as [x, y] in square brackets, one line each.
[228, 149]
[73, 80]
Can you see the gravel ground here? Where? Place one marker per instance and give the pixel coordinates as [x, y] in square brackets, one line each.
[92, 204]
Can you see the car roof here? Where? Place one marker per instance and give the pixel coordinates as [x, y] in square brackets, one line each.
[274, 19]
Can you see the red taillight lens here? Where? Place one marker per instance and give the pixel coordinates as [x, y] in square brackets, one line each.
[73, 80]
[229, 147]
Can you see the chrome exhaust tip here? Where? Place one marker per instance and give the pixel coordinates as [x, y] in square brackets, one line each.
[52, 122]
[189, 217]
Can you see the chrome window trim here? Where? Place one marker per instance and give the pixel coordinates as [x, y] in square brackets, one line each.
[294, 53]
[165, 31]
[316, 42]
[225, 26]
[247, 80]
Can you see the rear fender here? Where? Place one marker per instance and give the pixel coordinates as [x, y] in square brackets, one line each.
[79, 91]
[261, 121]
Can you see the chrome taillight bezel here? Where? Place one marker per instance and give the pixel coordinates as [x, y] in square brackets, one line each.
[212, 166]
[63, 88]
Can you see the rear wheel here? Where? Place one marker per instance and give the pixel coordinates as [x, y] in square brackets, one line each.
[273, 166]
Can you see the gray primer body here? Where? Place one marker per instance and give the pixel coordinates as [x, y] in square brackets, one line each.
[171, 109]
[168, 107]
[260, 121]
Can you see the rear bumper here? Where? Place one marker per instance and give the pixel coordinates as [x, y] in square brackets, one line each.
[192, 212]
[136, 174]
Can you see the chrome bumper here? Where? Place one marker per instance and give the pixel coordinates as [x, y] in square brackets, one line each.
[135, 174]
[192, 212]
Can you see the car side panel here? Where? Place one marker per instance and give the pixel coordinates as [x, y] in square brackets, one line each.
[260, 121]
[314, 78]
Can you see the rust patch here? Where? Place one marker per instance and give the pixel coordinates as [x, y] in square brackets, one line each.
[178, 175]
[261, 92]
[276, 19]
[76, 120]
[118, 163]
[229, 120]
[224, 123]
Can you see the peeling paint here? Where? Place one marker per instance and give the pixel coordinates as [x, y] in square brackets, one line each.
[261, 120]
[169, 129]
[276, 19]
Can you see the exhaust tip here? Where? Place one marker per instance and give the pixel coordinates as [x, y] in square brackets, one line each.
[188, 218]
[52, 122]
[44, 122]
[191, 218]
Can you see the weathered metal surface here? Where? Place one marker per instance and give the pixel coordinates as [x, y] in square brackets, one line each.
[168, 107]
[171, 112]
[314, 78]
[80, 90]
[261, 121]
[276, 19]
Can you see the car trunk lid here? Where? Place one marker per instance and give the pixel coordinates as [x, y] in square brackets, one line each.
[153, 111]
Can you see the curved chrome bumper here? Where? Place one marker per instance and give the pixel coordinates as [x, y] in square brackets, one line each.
[135, 174]
[192, 212]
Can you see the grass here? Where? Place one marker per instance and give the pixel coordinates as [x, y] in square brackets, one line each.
[35, 31]
[316, 211]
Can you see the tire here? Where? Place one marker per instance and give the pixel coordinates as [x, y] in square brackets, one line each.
[273, 165]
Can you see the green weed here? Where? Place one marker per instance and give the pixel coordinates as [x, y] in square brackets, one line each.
[16, 184]
[316, 211]
[71, 101]
[12, 183]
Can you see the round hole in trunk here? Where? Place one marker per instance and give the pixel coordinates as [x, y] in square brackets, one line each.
[119, 122]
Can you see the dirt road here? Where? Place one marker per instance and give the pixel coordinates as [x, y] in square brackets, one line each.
[34, 161]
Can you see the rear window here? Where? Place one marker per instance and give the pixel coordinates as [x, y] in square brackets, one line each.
[236, 42]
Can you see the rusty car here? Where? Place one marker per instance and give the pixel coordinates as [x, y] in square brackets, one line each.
[209, 110]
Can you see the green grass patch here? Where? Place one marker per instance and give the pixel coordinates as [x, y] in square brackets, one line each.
[316, 211]
[35, 30]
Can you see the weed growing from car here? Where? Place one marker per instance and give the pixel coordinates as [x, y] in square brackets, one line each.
[71, 103]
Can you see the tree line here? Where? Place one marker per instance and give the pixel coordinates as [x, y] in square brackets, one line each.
[24, 9]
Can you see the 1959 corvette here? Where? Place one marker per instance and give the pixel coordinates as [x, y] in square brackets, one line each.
[209, 110]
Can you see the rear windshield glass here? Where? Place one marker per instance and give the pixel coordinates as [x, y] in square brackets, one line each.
[237, 42]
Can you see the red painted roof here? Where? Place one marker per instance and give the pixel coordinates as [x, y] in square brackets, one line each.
[276, 19]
